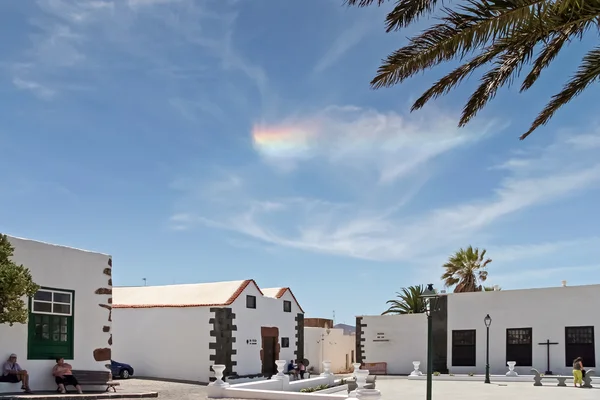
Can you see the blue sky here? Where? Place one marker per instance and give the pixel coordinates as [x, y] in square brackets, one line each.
[202, 141]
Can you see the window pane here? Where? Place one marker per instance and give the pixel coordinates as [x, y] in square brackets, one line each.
[42, 307]
[62, 298]
[63, 337]
[43, 295]
[63, 329]
[61, 308]
[55, 337]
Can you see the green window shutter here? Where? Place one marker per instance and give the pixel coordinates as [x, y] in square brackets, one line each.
[51, 324]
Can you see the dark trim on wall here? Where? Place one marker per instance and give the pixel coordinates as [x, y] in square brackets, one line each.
[223, 328]
[299, 353]
[360, 341]
[439, 322]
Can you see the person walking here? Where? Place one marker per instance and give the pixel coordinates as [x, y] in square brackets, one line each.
[577, 372]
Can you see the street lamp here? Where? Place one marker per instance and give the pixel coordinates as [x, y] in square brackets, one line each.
[431, 299]
[488, 321]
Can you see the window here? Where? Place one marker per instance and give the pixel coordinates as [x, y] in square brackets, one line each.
[519, 347]
[287, 306]
[51, 324]
[285, 342]
[463, 348]
[250, 301]
[579, 342]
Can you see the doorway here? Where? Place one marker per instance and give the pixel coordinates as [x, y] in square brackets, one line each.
[270, 350]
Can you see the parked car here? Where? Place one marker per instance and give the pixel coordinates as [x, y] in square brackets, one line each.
[121, 370]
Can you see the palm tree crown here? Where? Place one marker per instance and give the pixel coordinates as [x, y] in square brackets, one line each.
[502, 35]
[466, 270]
[409, 301]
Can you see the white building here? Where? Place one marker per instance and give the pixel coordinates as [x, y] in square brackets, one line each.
[332, 344]
[523, 321]
[69, 316]
[180, 331]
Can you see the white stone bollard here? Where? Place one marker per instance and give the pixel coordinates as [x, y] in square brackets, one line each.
[280, 368]
[361, 381]
[356, 368]
[511, 368]
[216, 389]
[219, 369]
[326, 368]
[416, 372]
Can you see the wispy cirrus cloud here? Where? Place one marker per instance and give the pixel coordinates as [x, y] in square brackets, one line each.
[394, 144]
[76, 42]
[343, 43]
[392, 233]
[36, 88]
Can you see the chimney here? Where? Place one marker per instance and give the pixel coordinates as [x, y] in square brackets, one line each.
[564, 283]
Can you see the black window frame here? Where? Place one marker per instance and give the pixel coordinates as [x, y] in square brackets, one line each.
[519, 346]
[287, 306]
[579, 344]
[285, 342]
[464, 354]
[250, 301]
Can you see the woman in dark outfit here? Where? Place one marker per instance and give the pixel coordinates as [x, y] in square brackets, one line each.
[63, 376]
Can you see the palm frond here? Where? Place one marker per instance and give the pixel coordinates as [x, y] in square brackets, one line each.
[588, 72]
[409, 301]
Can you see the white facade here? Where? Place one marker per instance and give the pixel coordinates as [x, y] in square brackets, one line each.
[165, 331]
[546, 311]
[80, 280]
[333, 345]
[397, 340]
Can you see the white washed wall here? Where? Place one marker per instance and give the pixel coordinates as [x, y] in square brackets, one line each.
[547, 311]
[335, 348]
[61, 268]
[406, 337]
[164, 342]
[268, 313]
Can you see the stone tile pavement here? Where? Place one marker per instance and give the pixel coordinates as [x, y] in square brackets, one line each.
[402, 388]
[392, 388]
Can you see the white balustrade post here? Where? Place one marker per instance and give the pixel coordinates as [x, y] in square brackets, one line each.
[326, 368]
[511, 368]
[356, 368]
[280, 367]
[416, 371]
[217, 387]
[361, 381]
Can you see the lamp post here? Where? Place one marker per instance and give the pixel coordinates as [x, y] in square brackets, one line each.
[431, 298]
[488, 321]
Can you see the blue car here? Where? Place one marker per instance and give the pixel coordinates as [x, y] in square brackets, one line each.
[121, 370]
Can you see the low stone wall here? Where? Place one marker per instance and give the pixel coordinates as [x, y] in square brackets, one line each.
[277, 395]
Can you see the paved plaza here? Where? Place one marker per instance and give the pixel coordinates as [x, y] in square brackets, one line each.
[401, 388]
[398, 388]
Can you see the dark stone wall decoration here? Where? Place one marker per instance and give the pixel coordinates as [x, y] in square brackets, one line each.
[439, 324]
[104, 354]
[299, 352]
[360, 340]
[223, 327]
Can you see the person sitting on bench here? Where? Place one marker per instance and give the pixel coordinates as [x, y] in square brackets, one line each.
[13, 373]
[63, 376]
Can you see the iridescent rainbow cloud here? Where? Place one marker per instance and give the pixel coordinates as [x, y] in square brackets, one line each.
[283, 141]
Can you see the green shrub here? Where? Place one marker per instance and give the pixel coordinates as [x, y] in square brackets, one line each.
[436, 373]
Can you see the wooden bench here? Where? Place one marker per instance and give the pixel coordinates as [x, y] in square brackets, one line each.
[96, 378]
[562, 379]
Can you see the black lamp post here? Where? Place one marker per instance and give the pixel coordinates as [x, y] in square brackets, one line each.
[431, 299]
[488, 321]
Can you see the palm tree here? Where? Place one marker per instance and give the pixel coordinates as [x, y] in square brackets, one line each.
[409, 301]
[501, 35]
[466, 270]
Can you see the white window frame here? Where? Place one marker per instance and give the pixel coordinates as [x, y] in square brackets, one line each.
[52, 302]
